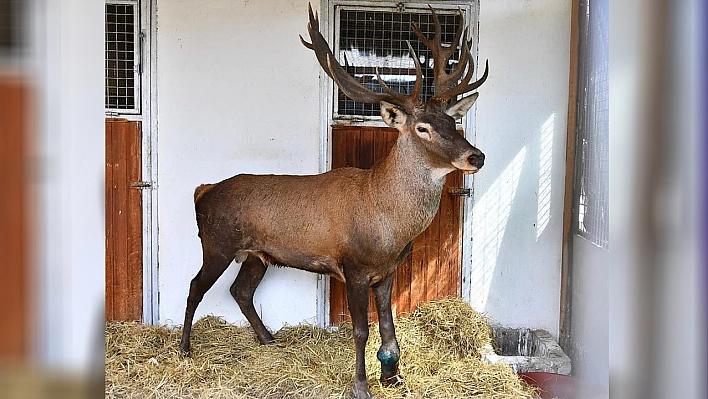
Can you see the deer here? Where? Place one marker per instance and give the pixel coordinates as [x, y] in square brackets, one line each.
[355, 225]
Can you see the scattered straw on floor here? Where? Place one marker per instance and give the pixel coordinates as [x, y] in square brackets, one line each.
[439, 359]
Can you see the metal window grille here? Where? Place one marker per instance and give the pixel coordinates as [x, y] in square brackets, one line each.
[592, 190]
[371, 38]
[122, 57]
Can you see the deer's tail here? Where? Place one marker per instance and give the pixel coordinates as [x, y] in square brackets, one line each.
[199, 191]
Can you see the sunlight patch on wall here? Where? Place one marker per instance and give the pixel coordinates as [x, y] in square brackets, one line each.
[544, 176]
[491, 214]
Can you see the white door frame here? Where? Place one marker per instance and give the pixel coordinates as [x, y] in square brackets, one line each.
[151, 295]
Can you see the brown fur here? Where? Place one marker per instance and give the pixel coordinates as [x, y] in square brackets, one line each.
[199, 191]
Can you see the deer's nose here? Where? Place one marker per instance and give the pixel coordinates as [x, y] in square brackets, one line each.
[476, 160]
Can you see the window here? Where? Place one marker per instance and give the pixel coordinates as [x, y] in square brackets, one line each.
[367, 38]
[592, 179]
[122, 57]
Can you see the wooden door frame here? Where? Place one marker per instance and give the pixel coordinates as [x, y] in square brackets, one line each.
[326, 85]
[570, 172]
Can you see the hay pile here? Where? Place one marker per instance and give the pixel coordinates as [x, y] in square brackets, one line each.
[439, 359]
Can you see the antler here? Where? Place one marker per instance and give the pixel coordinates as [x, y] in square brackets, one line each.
[347, 83]
[446, 85]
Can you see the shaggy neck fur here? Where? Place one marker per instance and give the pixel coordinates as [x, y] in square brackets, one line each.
[412, 189]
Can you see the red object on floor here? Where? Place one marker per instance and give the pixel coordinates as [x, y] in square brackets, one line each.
[557, 386]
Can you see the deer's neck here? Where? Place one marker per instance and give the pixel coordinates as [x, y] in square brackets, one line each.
[407, 188]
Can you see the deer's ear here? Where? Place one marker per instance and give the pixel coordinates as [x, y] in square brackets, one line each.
[392, 115]
[460, 108]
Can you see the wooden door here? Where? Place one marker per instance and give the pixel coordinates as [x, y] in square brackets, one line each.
[433, 269]
[14, 220]
[124, 238]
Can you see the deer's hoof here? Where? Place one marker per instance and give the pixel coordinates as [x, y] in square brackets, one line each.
[366, 395]
[361, 391]
[391, 381]
[265, 338]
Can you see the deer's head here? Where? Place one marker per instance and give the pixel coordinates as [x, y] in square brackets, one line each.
[432, 123]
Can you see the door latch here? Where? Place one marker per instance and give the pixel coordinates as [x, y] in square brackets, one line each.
[141, 185]
[461, 192]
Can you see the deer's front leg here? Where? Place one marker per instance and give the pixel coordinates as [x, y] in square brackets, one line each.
[358, 298]
[388, 353]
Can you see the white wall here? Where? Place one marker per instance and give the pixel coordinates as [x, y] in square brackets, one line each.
[237, 93]
[521, 127]
[589, 313]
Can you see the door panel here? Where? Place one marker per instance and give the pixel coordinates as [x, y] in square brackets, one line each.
[14, 219]
[124, 240]
[433, 269]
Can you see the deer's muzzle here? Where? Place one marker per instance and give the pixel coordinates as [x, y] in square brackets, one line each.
[476, 160]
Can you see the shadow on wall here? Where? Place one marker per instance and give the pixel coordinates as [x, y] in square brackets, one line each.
[490, 221]
[502, 221]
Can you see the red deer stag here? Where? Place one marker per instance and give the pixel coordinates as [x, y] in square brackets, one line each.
[352, 224]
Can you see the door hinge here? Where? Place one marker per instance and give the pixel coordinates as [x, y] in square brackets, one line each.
[141, 185]
[461, 192]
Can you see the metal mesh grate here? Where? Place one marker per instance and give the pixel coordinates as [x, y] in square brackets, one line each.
[593, 129]
[370, 39]
[121, 56]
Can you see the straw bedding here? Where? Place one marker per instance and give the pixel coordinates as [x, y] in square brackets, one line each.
[439, 359]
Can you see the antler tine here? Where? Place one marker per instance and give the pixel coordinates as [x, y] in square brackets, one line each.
[306, 44]
[448, 86]
[400, 97]
[436, 22]
[430, 43]
[467, 55]
[447, 80]
[447, 51]
[313, 24]
[460, 29]
[442, 54]
[318, 45]
[418, 73]
[411, 98]
[351, 87]
[463, 87]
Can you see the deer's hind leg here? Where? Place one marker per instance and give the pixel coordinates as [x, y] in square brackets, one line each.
[213, 266]
[243, 288]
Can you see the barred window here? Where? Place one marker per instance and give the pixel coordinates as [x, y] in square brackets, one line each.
[592, 190]
[370, 38]
[122, 57]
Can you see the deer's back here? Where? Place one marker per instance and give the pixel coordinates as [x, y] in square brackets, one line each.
[310, 222]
